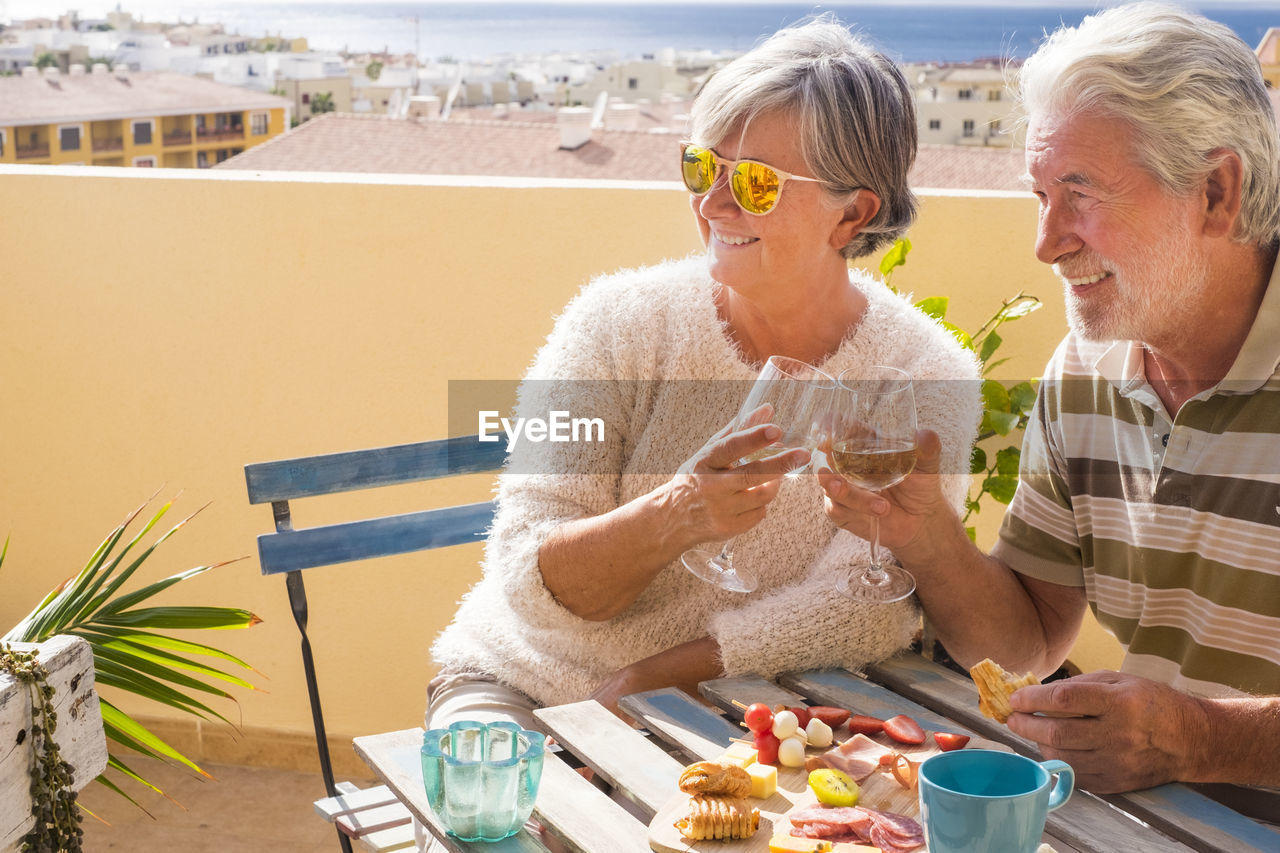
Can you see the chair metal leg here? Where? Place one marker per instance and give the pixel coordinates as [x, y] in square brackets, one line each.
[298, 603]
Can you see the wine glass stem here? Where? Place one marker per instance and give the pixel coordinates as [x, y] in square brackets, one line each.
[725, 557]
[876, 573]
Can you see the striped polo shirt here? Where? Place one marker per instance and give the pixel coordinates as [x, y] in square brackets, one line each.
[1172, 525]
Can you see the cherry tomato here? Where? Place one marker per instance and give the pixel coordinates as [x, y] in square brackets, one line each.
[767, 747]
[758, 717]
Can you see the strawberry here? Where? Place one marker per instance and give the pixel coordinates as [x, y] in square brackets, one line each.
[860, 724]
[903, 729]
[833, 717]
[803, 714]
[948, 741]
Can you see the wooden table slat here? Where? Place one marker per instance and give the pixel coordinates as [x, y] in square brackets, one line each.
[625, 759]
[1084, 822]
[724, 692]
[1177, 810]
[682, 721]
[582, 815]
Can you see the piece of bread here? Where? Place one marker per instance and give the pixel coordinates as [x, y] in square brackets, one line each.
[716, 817]
[712, 777]
[995, 686]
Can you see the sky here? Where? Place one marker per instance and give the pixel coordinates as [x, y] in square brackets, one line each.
[155, 9]
[163, 10]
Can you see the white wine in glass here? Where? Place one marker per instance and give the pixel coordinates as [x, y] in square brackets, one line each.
[873, 446]
[798, 395]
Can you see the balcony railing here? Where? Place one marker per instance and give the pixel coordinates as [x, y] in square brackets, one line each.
[178, 137]
[27, 152]
[113, 144]
[220, 135]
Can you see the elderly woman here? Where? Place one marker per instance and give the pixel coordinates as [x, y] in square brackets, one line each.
[798, 162]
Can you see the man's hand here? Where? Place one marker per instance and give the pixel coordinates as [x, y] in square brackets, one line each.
[1117, 731]
[903, 510]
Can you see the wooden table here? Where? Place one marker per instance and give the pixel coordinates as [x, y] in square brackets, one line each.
[644, 765]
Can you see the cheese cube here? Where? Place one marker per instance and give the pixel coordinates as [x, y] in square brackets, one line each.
[741, 754]
[792, 844]
[764, 780]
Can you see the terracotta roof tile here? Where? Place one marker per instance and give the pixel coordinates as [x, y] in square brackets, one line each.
[344, 142]
[88, 97]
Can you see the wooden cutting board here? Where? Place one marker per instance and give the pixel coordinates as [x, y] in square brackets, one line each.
[880, 791]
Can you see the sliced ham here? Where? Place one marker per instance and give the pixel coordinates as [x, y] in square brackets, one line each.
[892, 833]
[851, 823]
[859, 756]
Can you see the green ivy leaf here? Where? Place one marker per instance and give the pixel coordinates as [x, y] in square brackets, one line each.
[978, 461]
[995, 398]
[960, 334]
[934, 306]
[1007, 461]
[972, 533]
[992, 365]
[989, 346]
[1023, 308]
[1001, 487]
[1022, 398]
[1000, 423]
[895, 257]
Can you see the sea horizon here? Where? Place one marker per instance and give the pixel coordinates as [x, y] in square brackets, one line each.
[906, 30]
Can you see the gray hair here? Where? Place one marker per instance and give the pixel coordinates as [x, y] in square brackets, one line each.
[853, 111]
[1186, 85]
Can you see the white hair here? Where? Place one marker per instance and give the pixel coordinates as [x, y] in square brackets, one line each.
[1186, 85]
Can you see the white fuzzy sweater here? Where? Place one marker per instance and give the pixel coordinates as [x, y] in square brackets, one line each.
[644, 331]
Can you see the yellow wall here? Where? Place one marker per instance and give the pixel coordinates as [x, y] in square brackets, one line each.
[135, 356]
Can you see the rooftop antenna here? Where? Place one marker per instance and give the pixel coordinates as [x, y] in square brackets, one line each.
[597, 112]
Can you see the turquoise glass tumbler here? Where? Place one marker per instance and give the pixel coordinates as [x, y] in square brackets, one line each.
[482, 778]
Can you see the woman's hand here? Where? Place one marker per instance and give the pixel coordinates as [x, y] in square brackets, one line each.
[903, 509]
[715, 497]
[680, 666]
[597, 566]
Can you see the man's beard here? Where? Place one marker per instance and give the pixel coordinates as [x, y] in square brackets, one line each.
[1154, 293]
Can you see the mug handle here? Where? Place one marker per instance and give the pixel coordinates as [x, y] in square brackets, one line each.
[1065, 783]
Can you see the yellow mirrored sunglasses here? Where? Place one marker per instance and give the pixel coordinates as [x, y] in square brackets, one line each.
[755, 186]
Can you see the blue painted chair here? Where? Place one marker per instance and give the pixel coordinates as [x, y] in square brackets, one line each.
[290, 552]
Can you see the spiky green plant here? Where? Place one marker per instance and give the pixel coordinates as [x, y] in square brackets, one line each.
[128, 654]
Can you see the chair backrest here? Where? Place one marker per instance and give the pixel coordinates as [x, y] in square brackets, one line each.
[279, 482]
[291, 551]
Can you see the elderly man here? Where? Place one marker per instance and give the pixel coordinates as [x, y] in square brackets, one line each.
[1151, 469]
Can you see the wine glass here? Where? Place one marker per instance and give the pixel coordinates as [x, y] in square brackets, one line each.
[791, 395]
[873, 445]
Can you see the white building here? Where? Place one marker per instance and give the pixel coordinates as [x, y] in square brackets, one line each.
[962, 104]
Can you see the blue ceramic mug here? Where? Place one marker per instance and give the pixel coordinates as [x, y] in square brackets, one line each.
[482, 779]
[989, 801]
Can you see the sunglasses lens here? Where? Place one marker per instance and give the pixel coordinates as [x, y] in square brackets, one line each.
[698, 167]
[755, 186]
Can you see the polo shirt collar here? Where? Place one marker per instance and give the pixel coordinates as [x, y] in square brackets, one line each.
[1260, 354]
[1121, 364]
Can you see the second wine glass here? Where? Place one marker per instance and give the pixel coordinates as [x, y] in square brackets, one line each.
[873, 445]
[798, 394]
